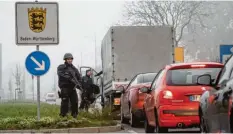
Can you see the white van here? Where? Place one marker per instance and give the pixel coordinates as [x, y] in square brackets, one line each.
[50, 98]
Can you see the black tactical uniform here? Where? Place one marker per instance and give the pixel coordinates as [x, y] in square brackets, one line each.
[88, 90]
[68, 81]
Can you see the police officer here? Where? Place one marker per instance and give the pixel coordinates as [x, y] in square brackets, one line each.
[68, 80]
[88, 90]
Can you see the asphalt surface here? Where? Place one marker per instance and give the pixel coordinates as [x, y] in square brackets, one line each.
[140, 129]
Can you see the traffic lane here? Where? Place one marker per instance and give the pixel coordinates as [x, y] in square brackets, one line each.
[140, 129]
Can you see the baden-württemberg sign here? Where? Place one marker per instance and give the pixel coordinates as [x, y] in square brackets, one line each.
[37, 23]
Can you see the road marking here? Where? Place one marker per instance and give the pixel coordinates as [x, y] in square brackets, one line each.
[131, 131]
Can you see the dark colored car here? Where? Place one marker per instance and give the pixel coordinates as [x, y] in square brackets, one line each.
[215, 110]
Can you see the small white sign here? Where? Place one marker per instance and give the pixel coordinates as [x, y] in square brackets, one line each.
[37, 23]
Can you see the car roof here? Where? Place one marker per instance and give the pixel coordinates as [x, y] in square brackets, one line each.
[193, 63]
[146, 73]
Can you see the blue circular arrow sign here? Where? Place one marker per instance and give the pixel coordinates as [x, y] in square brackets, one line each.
[37, 63]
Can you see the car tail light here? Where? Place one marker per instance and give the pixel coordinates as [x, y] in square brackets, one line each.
[230, 106]
[117, 101]
[167, 94]
[211, 98]
[198, 66]
[141, 97]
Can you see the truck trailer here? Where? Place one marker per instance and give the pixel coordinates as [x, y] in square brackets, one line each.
[129, 50]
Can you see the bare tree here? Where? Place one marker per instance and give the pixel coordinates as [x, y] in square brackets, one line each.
[10, 87]
[54, 84]
[23, 85]
[17, 76]
[177, 14]
[219, 31]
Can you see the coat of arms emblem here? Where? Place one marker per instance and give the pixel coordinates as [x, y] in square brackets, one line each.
[37, 19]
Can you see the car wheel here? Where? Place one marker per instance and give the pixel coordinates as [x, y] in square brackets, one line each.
[231, 121]
[148, 128]
[203, 126]
[123, 119]
[158, 128]
[133, 119]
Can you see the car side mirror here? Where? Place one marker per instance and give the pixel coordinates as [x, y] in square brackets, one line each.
[144, 90]
[121, 89]
[204, 80]
[98, 74]
[223, 83]
[98, 81]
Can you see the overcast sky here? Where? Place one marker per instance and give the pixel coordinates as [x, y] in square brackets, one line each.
[79, 22]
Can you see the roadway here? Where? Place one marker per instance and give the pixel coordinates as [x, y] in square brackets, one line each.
[140, 129]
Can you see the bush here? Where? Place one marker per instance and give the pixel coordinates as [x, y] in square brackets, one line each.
[104, 114]
[23, 116]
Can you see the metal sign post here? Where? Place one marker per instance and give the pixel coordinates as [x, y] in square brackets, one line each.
[33, 94]
[38, 91]
[38, 87]
[37, 23]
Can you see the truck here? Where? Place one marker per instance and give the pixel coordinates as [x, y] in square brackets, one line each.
[127, 51]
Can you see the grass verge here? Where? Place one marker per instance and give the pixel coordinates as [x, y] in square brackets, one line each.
[17, 116]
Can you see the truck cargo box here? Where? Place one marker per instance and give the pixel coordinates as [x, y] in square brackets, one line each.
[128, 50]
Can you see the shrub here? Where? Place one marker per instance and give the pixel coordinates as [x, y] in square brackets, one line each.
[23, 116]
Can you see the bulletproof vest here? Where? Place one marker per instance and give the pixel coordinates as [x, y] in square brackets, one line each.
[72, 71]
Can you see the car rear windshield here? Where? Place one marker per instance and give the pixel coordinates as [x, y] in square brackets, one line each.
[146, 78]
[187, 77]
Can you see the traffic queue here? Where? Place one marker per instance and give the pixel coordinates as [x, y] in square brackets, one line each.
[182, 95]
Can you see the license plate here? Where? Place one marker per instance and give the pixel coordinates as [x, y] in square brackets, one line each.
[194, 98]
[117, 101]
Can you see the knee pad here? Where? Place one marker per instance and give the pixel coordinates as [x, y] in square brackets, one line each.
[65, 99]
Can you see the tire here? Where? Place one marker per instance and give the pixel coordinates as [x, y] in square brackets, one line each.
[123, 119]
[158, 128]
[133, 119]
[148, 128]
[231, 121]
[203, 127]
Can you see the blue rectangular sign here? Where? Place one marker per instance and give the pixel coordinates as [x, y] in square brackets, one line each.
[225, 52]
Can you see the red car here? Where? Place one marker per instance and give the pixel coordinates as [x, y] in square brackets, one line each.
[132, 99]
[173, 99]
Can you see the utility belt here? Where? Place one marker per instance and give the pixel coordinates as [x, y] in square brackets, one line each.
[60, 95]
